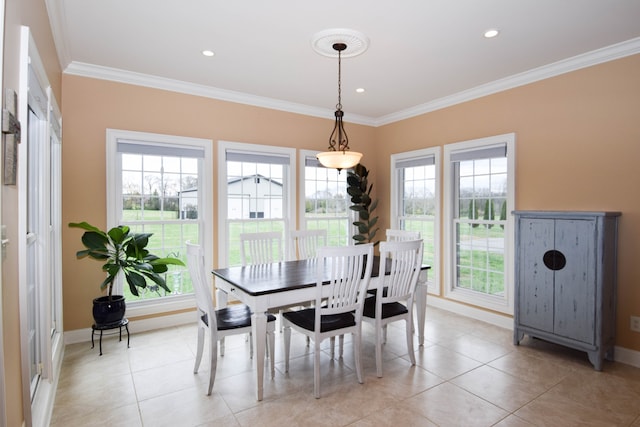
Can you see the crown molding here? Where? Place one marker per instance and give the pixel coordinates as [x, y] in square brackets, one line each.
[146, 80]
[606, 54]
[55, 10]
[610, 53]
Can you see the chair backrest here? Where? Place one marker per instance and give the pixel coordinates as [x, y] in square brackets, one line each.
[343, 275]
[260, 248]
[204, 300]
[405, 261]
[305, 243]
[394, 235]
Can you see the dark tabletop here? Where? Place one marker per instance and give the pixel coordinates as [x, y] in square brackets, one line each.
[278, 277]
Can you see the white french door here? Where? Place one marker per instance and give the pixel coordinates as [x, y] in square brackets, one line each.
[39, 264]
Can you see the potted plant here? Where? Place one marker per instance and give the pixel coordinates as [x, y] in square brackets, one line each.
[360, 191]
[125, 253]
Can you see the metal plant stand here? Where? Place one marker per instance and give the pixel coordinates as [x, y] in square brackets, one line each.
[124, 322]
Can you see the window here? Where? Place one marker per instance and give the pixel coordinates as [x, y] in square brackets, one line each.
[325, 202]
[256, 190]
[159, 184]
[415, 202]
[480, 184]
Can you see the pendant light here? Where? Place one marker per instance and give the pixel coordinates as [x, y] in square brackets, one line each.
[339, 155]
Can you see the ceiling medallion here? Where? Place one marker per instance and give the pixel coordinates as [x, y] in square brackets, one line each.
[323, 41]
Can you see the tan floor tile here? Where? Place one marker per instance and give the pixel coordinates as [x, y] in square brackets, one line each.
[403, 380]
[474, 375]
[184, 408]
[513, 421]
[394, 416]
[449, 405]
[532, 369]
[499, 388]
[444, 362]
[607, 393]
[101, 416]
[476, 348]
[162, 354]
[104, 391]
[556, 409]
[155, 382]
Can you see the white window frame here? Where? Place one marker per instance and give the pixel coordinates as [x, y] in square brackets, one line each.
[351, 215]
[288, 192]
[433, 276]
[502, 304]
[205, 209]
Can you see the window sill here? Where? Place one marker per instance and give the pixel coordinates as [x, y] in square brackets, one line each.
[161, 305]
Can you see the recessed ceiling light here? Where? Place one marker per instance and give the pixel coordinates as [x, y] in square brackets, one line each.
[491, 33]
[360, 90]
[208, 53]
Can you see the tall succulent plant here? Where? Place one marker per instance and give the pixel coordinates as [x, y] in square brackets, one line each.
[360, 191]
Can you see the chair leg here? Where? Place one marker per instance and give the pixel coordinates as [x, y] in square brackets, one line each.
[340, 346]
[332, 343]
[379, 340]
[316, 369]
[250, 335]
[271, 348]
[384, 334]
[357, 342]
[222, 346]
[409, 329]
[287, 347]
[214, 362]
[200, 349]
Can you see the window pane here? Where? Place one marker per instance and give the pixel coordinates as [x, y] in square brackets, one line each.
[416, 210]
[479, 225]
[327, 203]
[160, 196]
[255, 201]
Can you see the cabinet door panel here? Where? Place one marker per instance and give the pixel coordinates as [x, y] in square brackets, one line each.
[575, 283]
[535, 305]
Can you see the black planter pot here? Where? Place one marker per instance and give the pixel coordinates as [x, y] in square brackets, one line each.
[108, 311]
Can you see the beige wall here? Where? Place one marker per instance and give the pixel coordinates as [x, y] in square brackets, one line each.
[31, 13]
[91, 106]
[576, 148]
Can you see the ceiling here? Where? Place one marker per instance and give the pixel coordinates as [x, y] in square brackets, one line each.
[422, 54]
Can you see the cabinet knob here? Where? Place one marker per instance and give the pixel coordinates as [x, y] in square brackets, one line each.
[554, 260]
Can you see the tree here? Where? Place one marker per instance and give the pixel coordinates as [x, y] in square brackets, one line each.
[488, 212]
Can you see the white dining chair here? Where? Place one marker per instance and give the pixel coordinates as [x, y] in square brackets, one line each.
[305, 243]
[231, 320]
[260, 248]
[396, 302]
[343, 275]
[396, 235]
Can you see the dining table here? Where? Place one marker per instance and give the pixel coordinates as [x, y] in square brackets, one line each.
[268, 286]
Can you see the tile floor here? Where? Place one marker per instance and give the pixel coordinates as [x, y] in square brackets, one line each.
[468, 374]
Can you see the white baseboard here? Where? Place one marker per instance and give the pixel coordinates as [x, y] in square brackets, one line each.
[627, 356]
[142, 325]
[501, 320]
[621, 354]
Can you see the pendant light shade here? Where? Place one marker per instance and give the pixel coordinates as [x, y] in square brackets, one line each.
[339, 155]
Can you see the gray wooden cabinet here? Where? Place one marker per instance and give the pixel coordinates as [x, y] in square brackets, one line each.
[566, 280]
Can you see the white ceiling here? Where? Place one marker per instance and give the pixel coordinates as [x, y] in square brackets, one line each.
[423, 54]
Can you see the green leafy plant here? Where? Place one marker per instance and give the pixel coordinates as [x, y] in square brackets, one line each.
[124, 253]
[359, 189]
